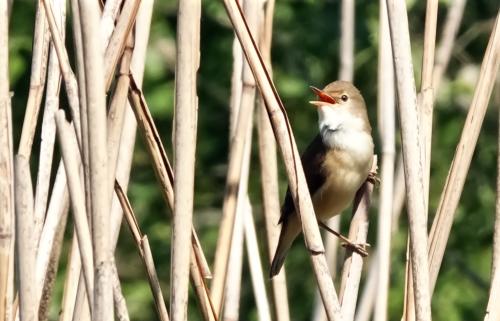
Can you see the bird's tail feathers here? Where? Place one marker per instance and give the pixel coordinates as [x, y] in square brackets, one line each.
[284, 244]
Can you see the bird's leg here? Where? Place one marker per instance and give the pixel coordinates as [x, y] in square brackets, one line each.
[355, 247]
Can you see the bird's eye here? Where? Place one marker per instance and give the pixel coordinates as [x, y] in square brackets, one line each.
[344, 97]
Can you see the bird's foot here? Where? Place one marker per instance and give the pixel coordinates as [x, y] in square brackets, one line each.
[373, 178]
[360, 248]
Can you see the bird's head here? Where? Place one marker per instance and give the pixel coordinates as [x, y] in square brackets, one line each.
[341, 108]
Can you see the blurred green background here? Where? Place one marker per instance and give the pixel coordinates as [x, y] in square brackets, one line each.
[305, 52]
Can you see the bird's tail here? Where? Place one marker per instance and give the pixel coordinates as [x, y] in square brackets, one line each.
[287, 236]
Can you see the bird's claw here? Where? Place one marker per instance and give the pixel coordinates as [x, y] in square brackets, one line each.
[359, 248]
[373, 178]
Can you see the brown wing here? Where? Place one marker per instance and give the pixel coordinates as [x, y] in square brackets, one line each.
[311, 159]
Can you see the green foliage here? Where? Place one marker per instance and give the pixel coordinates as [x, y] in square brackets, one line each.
[305, 52]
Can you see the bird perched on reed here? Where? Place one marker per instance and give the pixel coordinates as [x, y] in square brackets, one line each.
[336, 162]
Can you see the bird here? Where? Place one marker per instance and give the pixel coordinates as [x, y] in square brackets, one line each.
[336, 163]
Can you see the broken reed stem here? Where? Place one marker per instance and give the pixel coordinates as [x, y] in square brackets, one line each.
[353, 262]
[116, 113]
[100, 194]
[269, 173]
[37, 80]
[291, 156]
[48, 130]
[7, 218]
[160, 161]
[387, 132]
[72, 165]
[411, 140]
[186, 114]
[165, 177]
[25, 245]
[127, 137]
[144, 251]
[448, 36]
[455, 180]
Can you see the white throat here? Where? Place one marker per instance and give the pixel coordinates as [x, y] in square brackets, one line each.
[342, 130]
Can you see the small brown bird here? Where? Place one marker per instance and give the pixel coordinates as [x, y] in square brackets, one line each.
[336, 162]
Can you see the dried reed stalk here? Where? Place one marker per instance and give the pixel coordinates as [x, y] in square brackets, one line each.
[78, 48]
[291, 156]
[450, 196]
[269, 172]
[102, 308]
[25, 245]
[73, 268]
[144, 251]
[254, 261]
[411, 139]
[234, 271]
[346, 72]
[232, 292]
[243, 208]
[48, 131]
[127, 137]
[120, 305]
[56, 213]
[387, 131]
[236, 182]
[52, 269]
[367, 300]
[426, 107]
[448, 36]
[353, 262]
[6, 172]
[347, 40]
[82, 309]
[493, 309]
[426, 98]
[162, 167]
[108, 17]
[37, 80]
[331, 252]
[186, 114]
[72, 164]
[165, 176]
[116, 113]
[70, 83]
[118, 39]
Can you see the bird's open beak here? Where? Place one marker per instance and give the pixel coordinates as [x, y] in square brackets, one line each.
[323, 98]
